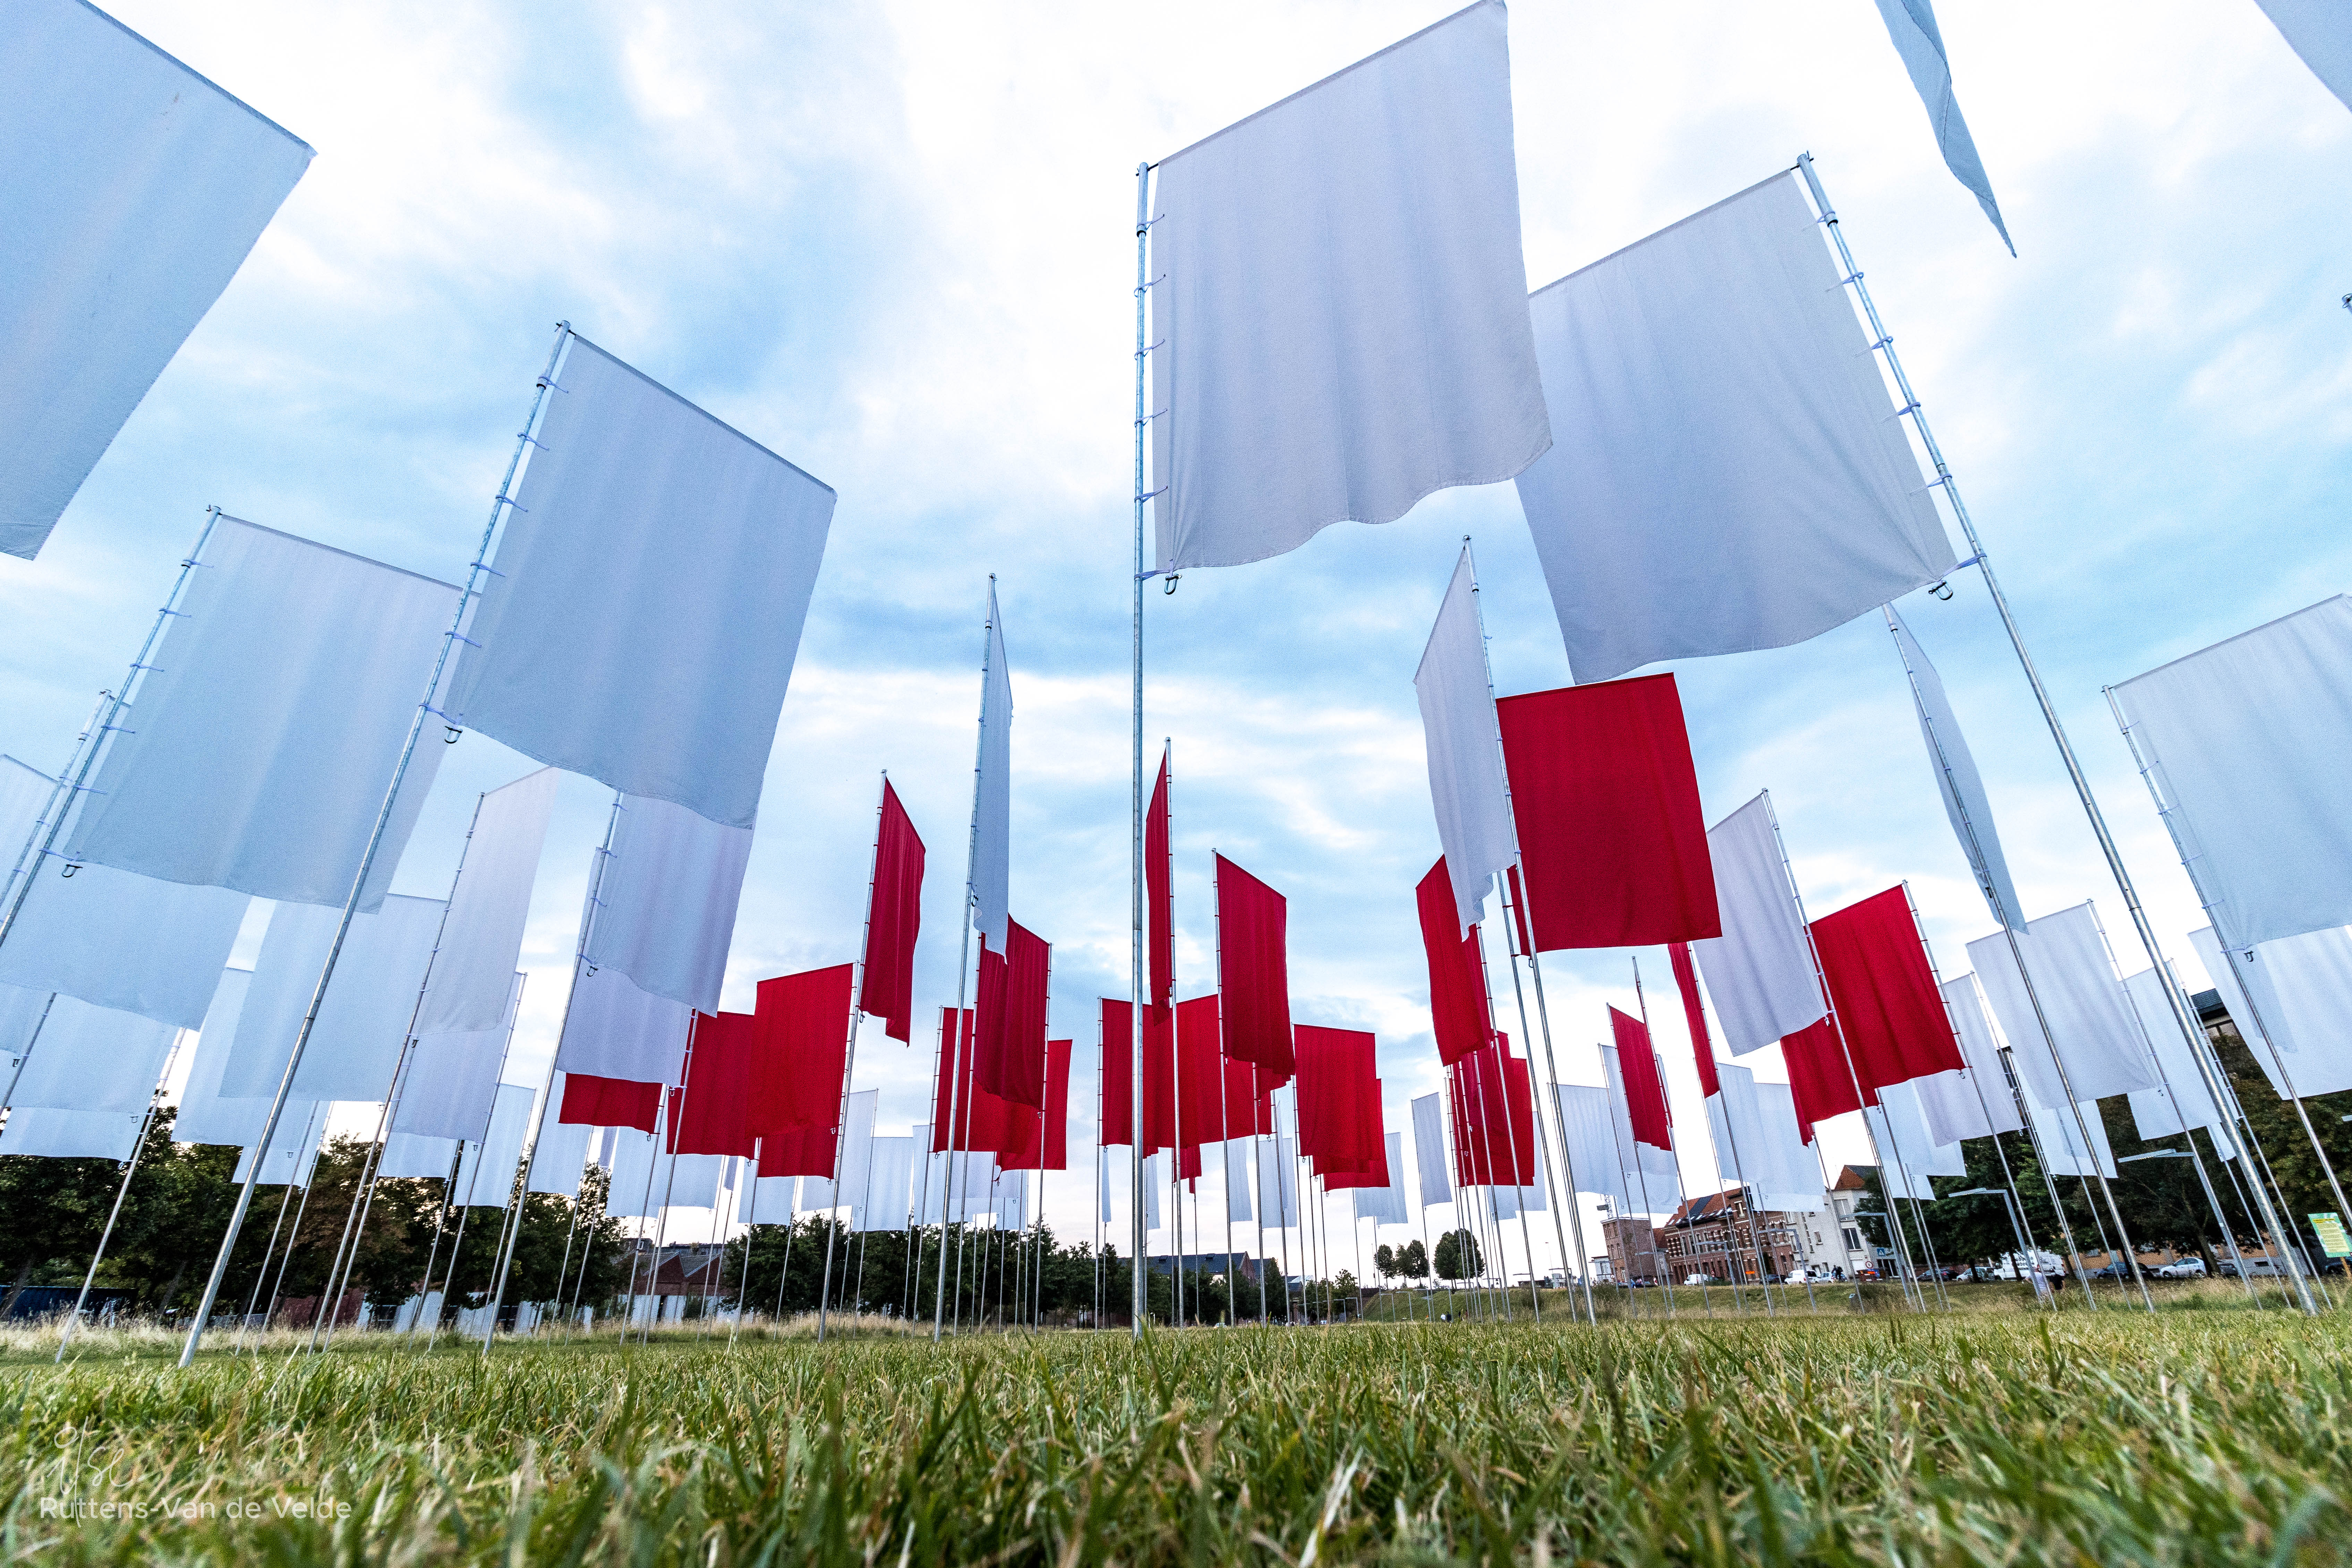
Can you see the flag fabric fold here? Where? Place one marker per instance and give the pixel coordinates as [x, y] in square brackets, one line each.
[1342, 310]
[453, 1076]
[1956, 780]
[1458, 1009]
[1911, 25]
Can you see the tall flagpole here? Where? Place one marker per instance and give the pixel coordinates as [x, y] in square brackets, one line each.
[1139, 1306]
[849, 1053]
[130, 1168]
[2199, 1046]
[1885, 343]
[479, 564]
[952, 1043]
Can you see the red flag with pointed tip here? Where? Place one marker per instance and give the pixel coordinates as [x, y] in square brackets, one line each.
[894, 914]
[1457, 981]
[1694, 1015]
[1254, 968]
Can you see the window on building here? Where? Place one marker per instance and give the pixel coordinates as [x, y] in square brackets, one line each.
[1853, 1240]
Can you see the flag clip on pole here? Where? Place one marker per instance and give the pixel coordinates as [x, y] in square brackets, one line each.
[1139, 1304]
[367, 859]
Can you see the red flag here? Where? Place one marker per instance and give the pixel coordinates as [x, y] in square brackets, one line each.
[1028, 981]
[591, 1101]
[1253, 968]
[1888, 1008]
[1646, 1096]
[1199, 1072]
[1457, 980]
[1057, 1105]
[805, 1020]
[799, 1151]
[1118, 1072]
[1519, 912]
[1336, 1068]
[1160, 918]
[1248, 1112]
[1817, 1080]
[1376, 1174]
[1694, 1015]
[966, 1115]
[1494, 1141]
[711, 1114]
[996, 979]
[893, 915]
[1607, 805]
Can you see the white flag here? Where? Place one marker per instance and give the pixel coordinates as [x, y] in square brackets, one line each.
[92, 1059]
[1957, 781]
[2301, 996]
[666, 904]
[2249, 741]
[71, 1135]
[613, 1029]
[992, 804]
[355, 1043]
[2082, 1002]
[1730, 474]
[131, 191]
[655, 574]
[1430, 1152]
[1341, 312]
[116, 939]
[1464, 740]
[561, 1154]
[2320, 32]
[258, 752]
[453, 1076]
[1760, 970]
[1911, 24]
[2182, 1100]
[473, 968]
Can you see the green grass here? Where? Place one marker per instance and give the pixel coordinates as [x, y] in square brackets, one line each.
[2198, 1436]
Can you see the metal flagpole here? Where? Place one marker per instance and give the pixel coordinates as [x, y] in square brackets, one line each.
[2199, 1046]
[672, 1123]
[301, 1209]
[375, 842]
[1563, 1223]
[922, 1202]
[953, 1053]
[519, 1195]
[364, 1190]
[268, 1250]
[440, 1224]
[1102, 1189]
[1519, 912]
[110, 706]
[60, 793]
[1134, 1012]
[1885, 343]
[1642, 1002]
[857, 1016]
[1739, 1173]
[1261, 1112]
[1510, 1133]
[1904, 1272]
[130, 1168]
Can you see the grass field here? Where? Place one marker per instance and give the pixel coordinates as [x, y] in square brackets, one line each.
[2207, 1434]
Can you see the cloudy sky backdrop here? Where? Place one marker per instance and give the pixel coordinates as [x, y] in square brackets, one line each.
[893, 243]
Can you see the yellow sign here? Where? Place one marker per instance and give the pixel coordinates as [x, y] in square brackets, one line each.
[2332, 1239]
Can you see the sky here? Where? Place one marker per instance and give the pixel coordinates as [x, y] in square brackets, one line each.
[893, 243]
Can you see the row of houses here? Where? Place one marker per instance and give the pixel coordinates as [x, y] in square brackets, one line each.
[1718, 1235]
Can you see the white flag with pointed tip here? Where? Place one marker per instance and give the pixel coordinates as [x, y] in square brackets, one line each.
[1464, 740]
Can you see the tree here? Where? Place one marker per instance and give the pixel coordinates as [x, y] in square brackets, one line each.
[1384, 1258]
[1413, 1261]
[1458, 1257]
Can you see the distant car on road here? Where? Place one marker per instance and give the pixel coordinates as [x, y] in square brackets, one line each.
[2182, 1268]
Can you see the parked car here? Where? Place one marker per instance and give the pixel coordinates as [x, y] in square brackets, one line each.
[1696, 1278]
[2182, 1268]
[2118, 1269]
[2256, 1268]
